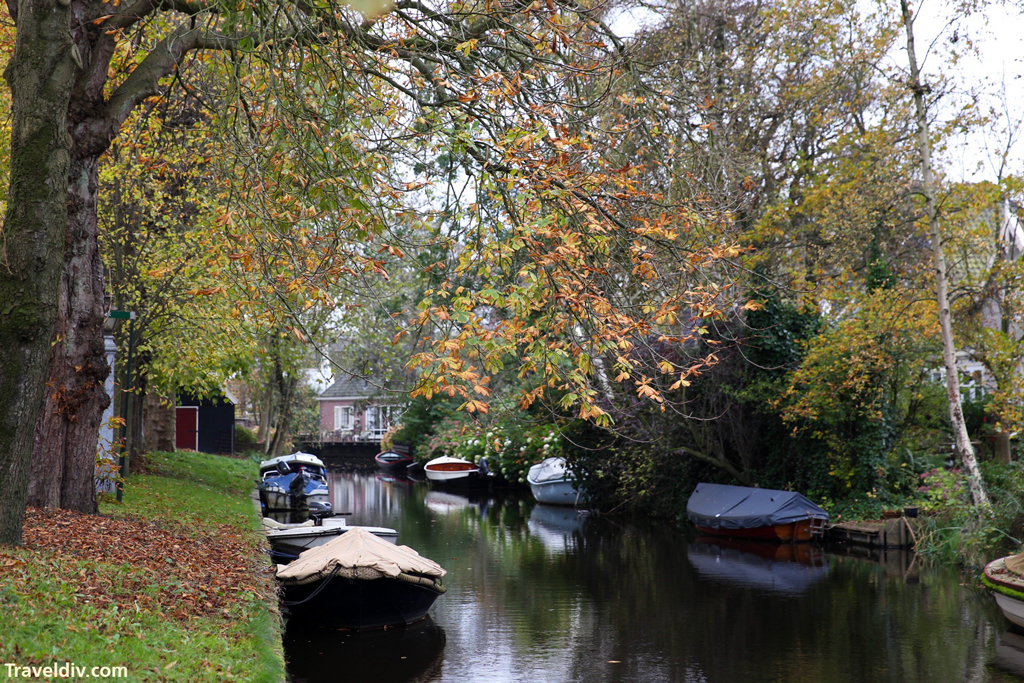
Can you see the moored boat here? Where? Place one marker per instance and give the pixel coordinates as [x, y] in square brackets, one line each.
[393, 462]
[288, 541]
[551, 483]
[765, 514]
[358, 581]
[293, 482]
[448, 471]
[1005, 578]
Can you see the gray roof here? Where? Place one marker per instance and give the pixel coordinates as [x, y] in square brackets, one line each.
[350, 387]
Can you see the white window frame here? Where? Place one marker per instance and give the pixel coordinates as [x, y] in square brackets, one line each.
[344, 418]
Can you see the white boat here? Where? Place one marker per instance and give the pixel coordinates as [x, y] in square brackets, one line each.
[551, 483]
[287, 541]
[1005, 578]
[448, 471]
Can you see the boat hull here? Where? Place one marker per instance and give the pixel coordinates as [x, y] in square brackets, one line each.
[453, 472]
[997, 573]
[560, 492]
[1013, 609]
[359, 604]
[393, 463]
[791, 532]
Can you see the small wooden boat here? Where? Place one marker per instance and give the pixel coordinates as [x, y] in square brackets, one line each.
[393, 462]
[448, 471]
[764, 514]
[551, 484]
[1005, 578]
[358, 581]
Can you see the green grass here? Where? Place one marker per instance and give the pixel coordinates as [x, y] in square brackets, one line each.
[190, 489]
[58, 607]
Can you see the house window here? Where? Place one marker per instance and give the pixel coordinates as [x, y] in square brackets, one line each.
[343, 418]
[381, 418]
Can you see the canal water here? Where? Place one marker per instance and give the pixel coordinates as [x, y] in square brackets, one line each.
[538, 594]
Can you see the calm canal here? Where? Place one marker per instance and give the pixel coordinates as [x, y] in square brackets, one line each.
[539, 594]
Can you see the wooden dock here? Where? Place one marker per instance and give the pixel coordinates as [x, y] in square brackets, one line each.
[900, 532]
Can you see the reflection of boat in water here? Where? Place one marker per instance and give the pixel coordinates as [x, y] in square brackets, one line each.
[1009, 654]
[445, 503]
[411, 653]
[394, 479]
[772, 568]
[1005, 578]
[743, 512]
[555, 527]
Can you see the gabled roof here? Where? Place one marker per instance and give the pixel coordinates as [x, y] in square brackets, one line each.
[349, 387]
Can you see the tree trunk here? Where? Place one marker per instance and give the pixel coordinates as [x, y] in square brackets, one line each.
[286, 387]
[962, 441]
[158, 419]
[40, 74]
[64, 457]
[266, 412]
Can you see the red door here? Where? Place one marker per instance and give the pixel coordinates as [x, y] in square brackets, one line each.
[186, 427]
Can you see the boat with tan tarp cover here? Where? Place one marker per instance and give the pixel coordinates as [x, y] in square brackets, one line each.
[358, 581]
[1005, 578]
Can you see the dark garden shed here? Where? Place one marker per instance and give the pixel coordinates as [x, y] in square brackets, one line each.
[206, 425]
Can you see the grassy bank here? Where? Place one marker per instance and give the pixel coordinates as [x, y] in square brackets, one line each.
[171, 584]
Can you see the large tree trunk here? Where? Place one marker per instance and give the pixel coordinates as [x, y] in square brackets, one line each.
[158, 420]
[40, 74]
[962, 441]
[64, 458]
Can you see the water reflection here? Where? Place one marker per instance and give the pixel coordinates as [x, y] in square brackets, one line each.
[1009, 655]
[410, 653]
[557, 528]
[787, 569]
[542, 594]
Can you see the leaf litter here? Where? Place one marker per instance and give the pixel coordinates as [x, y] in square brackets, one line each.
[134, 564]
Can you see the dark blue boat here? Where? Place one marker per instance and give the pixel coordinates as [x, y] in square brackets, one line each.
[297, 481]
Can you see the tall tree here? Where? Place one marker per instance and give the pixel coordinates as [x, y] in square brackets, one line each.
[80, 67]
[962, 441]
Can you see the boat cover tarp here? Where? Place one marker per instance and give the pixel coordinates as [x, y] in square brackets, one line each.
[547, 470]
[356, 549]
[274, 525]
[1015, 564]
[718, 506]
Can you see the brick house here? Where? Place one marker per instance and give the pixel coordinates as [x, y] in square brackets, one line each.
[353, 411]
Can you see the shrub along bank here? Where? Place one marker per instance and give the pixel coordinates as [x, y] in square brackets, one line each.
[170, 585]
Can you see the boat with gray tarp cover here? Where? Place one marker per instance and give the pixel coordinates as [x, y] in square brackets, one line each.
[744, 512]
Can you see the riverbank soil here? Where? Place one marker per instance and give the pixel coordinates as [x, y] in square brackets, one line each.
[172, 584]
